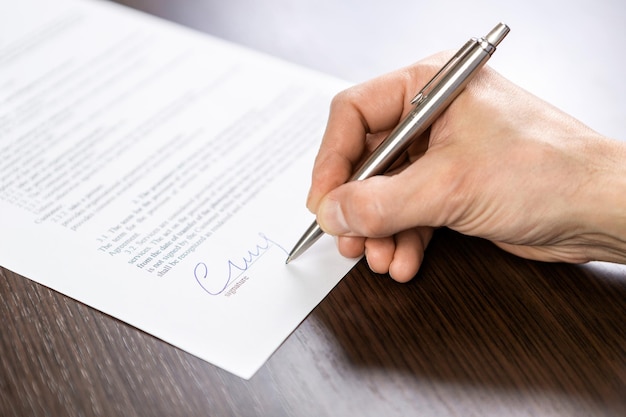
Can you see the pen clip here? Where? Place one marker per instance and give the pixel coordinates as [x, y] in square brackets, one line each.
[421, 96]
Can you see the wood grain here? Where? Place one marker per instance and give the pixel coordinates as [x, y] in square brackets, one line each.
[478, 332]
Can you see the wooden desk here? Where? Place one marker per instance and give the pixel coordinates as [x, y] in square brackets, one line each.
[478, 332]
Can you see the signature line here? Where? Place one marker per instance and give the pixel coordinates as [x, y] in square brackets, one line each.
[201, 271]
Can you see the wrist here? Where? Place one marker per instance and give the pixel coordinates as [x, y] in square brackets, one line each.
[605, 202]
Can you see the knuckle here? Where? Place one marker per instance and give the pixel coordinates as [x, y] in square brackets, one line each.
[347, 97]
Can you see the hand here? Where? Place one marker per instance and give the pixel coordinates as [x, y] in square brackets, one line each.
[499, 164]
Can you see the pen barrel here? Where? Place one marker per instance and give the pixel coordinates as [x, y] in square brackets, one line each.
[429, 103]
[428, 109]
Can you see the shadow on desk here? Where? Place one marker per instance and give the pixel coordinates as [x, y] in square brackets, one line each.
[477, 333]
[489, 320]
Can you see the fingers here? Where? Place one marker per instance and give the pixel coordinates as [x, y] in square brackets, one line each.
[379, 253]
[351, 246]
[421, 195]
[484, 170]
[410, 247]
[400, 255]
[363, 111]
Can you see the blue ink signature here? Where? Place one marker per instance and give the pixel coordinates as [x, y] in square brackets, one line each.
[234, 268]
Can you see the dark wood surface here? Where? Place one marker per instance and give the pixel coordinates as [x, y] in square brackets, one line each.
[478, 332]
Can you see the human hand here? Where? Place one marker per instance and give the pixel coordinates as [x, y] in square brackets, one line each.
[499, 164]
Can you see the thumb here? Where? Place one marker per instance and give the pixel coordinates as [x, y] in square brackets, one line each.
[384, 205]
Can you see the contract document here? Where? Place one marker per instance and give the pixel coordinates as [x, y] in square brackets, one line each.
[159, 175]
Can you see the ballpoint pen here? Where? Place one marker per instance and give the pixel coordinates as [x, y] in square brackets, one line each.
[429, 103]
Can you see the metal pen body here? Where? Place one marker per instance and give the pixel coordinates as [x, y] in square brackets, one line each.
[426, 111]
[429, 103]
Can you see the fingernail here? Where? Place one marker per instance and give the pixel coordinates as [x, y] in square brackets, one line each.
[331, 219]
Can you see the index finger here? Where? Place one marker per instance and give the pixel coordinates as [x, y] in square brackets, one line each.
[368, 108]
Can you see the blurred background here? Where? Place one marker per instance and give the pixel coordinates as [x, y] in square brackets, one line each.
[569, 52]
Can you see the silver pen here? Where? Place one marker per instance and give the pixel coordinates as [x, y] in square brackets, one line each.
[429, 103]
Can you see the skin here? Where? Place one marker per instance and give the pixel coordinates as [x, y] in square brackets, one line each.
[499, 164]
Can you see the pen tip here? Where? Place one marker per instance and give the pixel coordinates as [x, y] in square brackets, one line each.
[292, 255]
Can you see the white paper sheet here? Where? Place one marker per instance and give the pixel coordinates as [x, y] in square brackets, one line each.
[160, 175]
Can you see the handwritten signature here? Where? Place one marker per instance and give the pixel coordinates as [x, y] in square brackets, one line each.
[214, 285]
